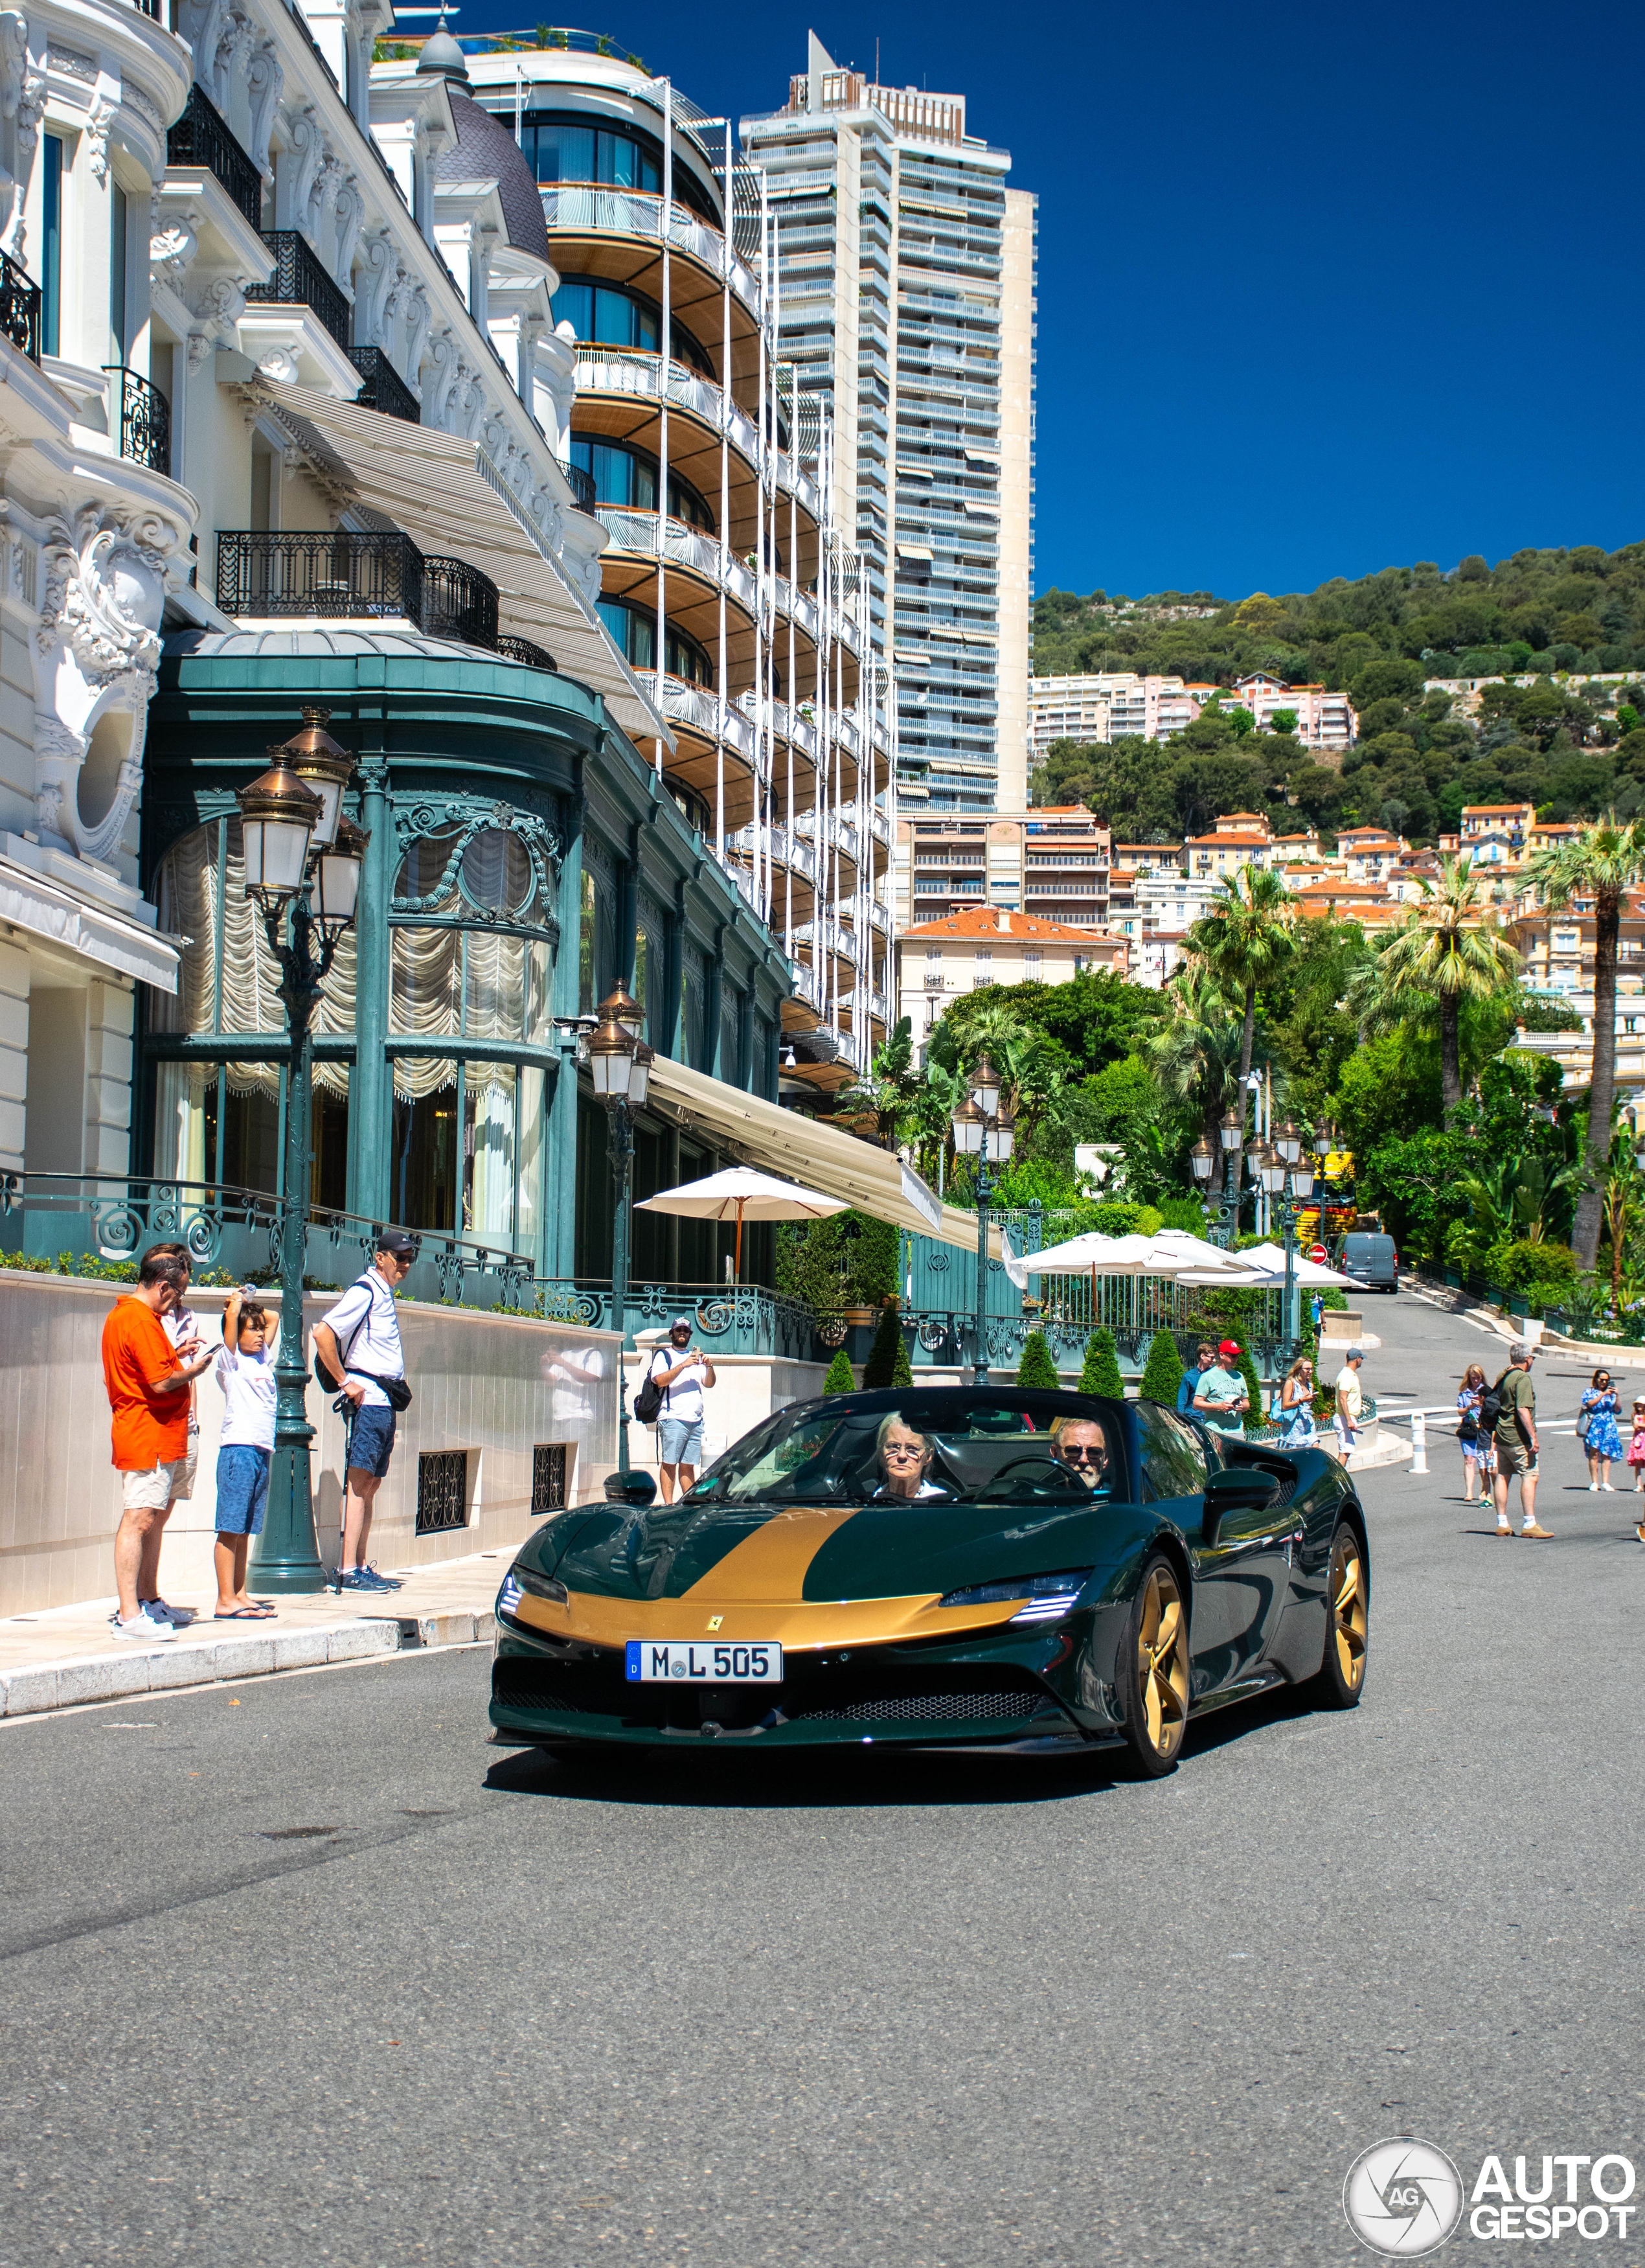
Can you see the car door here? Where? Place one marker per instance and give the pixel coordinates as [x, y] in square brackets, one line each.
[1240, 1581]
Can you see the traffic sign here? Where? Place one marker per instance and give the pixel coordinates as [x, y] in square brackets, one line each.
[1317, 1254]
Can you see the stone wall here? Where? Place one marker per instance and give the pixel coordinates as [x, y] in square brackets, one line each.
[493, 1385]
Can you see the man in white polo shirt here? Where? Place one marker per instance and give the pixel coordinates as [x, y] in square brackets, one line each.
[359, 1343]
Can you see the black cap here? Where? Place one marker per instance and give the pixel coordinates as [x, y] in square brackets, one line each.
[400, 1242]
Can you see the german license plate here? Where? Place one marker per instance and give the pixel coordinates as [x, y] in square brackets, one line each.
[737, 1664]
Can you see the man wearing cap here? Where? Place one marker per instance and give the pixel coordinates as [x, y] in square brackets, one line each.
[1220, 1398]
[359, 1343]
[1350, 1402]
[682, 1373]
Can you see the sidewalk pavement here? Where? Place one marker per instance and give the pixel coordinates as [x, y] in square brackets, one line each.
[66, 1655]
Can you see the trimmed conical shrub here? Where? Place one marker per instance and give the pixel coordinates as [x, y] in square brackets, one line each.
[888, 1363]
[1162, 1374]
[1101, 1374]
[841, 1378]
[1036, 1367]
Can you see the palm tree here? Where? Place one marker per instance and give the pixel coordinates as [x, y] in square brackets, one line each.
[1452, 952]
[888, 1092]
[1244, 939]
[1197, 1051]
[1606, 861]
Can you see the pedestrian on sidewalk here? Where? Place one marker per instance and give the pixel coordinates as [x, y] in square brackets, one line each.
[682, 1372]
[1296, 1406]
[1517, 1445]
[180, 1324]
[245, 1373]
[1636, 1456]
[1220, 1398]
[148, 1382]
[1204, 1359]
[1350, 1402]
[1478, 1452]
[359, 1345]
[1600, 1437]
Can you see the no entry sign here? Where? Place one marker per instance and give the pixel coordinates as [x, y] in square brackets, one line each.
[1317, 1254]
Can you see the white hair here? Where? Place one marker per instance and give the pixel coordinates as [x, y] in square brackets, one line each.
[1519, 1352]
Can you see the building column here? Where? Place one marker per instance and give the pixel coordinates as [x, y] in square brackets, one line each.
[110, 1011]
[14, 975]
[558, 1256]
[371, 1085]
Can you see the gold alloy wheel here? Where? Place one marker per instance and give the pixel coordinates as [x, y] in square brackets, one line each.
[1162, 1664]
[1349, 1620]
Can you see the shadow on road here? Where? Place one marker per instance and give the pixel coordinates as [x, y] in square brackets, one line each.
[795, 1779]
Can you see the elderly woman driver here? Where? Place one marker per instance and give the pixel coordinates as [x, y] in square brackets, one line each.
[904, 1457]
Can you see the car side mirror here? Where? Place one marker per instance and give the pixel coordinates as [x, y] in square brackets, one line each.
[630, 1488]
[1238, 1488]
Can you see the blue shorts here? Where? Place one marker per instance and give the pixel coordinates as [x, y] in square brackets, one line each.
[680, 1441]
[242, 1489]
[371, 1441]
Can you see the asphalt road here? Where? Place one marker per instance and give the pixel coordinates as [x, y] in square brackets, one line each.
[725, 2012]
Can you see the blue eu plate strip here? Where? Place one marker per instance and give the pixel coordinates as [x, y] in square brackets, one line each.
[631, 1661]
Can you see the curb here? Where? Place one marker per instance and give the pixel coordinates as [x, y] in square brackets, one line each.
[46, 1685]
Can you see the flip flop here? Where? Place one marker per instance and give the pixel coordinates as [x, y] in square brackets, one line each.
[246, 1615]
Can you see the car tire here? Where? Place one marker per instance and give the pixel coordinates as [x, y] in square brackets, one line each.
[1154, 1669]
[1341, 1678]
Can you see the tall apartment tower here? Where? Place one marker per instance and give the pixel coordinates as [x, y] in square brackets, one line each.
[906, 268]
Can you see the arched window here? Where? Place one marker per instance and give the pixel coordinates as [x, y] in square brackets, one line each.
[635, 631]
[626, 477]
[613, 315]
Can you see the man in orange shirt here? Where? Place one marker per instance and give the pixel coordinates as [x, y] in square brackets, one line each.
[148, 1382]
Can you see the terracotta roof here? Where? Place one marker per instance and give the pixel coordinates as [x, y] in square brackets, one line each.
[1228, 835]
[1486, 810]
[983, 922]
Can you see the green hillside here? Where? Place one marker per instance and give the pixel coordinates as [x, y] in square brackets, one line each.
[1571, 751]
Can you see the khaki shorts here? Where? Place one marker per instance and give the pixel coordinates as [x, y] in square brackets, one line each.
[184, 1470]
[155, 1490]
[1514, 1457]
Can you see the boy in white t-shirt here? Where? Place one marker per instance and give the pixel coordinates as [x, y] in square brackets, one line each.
[245, 1371]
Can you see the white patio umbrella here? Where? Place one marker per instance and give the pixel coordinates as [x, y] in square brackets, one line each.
[1170, 1252]
[1265, 1263]
[739, 1194]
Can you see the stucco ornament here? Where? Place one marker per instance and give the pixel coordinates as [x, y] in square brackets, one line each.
[95, 652]
[23, 101]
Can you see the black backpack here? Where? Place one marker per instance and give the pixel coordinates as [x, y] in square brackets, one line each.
[651, 1396]
[1491, 1406]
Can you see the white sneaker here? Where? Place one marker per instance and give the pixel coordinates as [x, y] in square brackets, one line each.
[142, 1625]
[1593, 1488]
[1607, 1487]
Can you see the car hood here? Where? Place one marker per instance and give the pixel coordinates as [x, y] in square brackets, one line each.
[804, 1574]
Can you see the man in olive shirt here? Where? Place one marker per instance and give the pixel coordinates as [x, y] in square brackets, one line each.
[1516, 1443]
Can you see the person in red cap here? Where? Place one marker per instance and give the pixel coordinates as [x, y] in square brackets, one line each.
[1221, 1399]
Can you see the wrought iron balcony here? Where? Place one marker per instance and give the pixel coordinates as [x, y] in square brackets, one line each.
[300, 281]
[382, 387]
[202, 136]
[458, 603]
[266, 573]
[582, 486]
[19, 309]
[534, 656]
[142, 417]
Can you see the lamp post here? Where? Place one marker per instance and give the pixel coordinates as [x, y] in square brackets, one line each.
[619, 1063]
[303, 860]
[978, 1117]
[1297, 1176]
[1221, 1214]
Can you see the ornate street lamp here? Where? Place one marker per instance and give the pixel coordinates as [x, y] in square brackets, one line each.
[1202, 1160]
[620, 1064]
[303, 860]
[980, 1118]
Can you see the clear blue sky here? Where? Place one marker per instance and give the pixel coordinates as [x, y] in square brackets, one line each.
[1321, 291]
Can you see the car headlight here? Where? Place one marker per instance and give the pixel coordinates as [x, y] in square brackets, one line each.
[520, 1581]
[1044, 1597]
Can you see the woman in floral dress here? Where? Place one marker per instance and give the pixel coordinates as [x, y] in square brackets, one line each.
[1603, 1442]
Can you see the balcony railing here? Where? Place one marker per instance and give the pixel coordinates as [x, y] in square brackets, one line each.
[300, 281]
[582, 486]
[581, 208]
[202, 136]
[534, 656]
[382, 387]
[142, 417]
[19, 309]
[458, 603]
[617, 369]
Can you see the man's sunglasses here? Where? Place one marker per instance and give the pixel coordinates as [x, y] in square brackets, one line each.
[1078, 1452]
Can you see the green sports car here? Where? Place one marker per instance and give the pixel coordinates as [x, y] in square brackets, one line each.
[936, 1566]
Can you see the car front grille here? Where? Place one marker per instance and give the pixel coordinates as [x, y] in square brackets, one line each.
[968, 1707]
[518, 1685]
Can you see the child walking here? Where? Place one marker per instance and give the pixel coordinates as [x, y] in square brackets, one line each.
[245, 1371]
[1635, 1459]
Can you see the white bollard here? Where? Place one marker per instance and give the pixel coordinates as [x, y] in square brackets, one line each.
[1419, 1441]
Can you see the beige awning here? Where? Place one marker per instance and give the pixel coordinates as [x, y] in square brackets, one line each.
[441, 490]
[874, 1180]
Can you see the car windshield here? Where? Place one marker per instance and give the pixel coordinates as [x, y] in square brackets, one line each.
[927, 1450]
